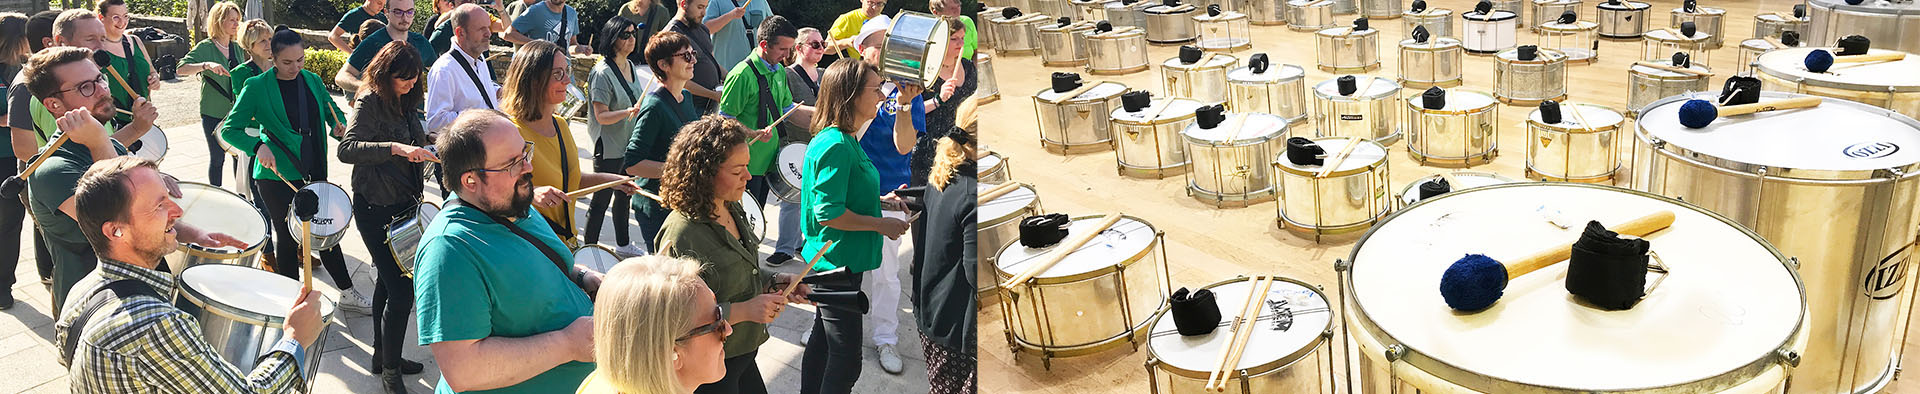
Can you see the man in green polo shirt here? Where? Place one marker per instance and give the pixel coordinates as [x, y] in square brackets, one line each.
[398, 29]
[755, 93]
[350, 23]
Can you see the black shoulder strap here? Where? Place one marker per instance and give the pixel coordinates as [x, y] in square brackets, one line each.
[120, 290]
[624, 85]
[768, 109]
[475, 77]
[558, 262]
[565, 41]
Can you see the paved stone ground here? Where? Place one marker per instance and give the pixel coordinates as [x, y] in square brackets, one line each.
[28, 358]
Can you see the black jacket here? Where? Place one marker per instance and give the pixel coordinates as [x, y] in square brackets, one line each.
[944, 280]
[380, 177]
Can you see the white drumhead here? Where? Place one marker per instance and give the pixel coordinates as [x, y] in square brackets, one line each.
[1381, 87]
[1127, 238]
[1219, 61]
[1468, 180]
[1624, 6]
[1311, 317]
[1756, 44]
[211, 208]
[1851, 136]
[1434, 43]
[336, 209]
[1729, 300]
[792, 161]
[1369, 153]
[1005, 205]
[596, 257]
[1704, 11]
[1877, 77]
[1258, 127]
[1103, 90]
[1546, 55]
[1275, 73]
[1175, 108]
[249, 290]
[755, 218]
[153, 145]
[1458, 100]
[1666, 35]
[1496, 15]
[1600, 117]
[988, 163]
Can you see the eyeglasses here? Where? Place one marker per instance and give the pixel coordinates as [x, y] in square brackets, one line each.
[400, 13]
[817, 45]
[87, 88]
[564, 75]
[718, 325]
[629, 34]
[687, 56]
[526, 156]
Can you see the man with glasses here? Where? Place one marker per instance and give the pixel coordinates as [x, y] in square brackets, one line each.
[31, 121]
[500, 301]
[551, 20]
[756, 94]
[401, 21]
[350, 23]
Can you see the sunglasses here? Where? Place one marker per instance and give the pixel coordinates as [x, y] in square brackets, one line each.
[687, 56]
[719, 324]
[817, 45]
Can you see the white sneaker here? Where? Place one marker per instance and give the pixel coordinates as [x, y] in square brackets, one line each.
[355, 301]
[630, 250]
[890, 360]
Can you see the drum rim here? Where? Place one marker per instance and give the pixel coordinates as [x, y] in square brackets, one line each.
[1409, 189]
[1159, 237]
[1429, 13]
[414, 218]
[1032, 208]
[196, 250]
[1349, 34]
[1162, 121]
[1225, 16]
[1277, 69]
[1625, 5]
[1863, 8]
[1370, 167]
[345, 224]
[1164, 10]
[1642, 136]
[1548, 56]
[1613, 127]
[1570, 28]
[1703, 37]
[200, 299]
[1175, 64]
[1119, 34]
[1762, 17]
[1075, 27]
[1743, 45]
[1413, 103]
[1439, 368]
[1491, 16]
[1705, 11]
[1397, 87]
[1083, 98]
[1252, 140]
[1021, 20]
[1435, 44]
[1326, 334]
[1649, 72]
[1766, 71]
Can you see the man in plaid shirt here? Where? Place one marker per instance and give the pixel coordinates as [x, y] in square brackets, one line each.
[133, 341]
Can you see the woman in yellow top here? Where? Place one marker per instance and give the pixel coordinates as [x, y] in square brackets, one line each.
[656, 330]
[536, 84]
[127, 55]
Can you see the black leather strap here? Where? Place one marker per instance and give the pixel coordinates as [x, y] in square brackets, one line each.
[475, 77]
[120, 290]
[553, 256]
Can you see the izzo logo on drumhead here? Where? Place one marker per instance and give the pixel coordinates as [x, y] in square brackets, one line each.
[1870, 150]
[320, 221]
[1883, 282]
[793, 168]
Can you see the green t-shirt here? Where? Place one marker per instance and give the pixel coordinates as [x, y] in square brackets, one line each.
[837, 178]
[740, 98]
[659, 120]
[357, 16]
[476, 279]
[973, 38]
[363, 54]
[49, 186]
[213, 103]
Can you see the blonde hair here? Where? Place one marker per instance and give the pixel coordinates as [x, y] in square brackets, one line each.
[218, 13]
[644, 304]
[253, 31]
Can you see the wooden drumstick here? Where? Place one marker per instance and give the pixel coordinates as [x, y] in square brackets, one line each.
[123, 83]
[1797, 102]
[1076, 92]
[1584, 125]
[595, 188]
[1061, 252]
[48, 152]
[1364, 85]
[1638, 227]
[1245, 332]
[1889, 56]
[795, 284]
[1248, 308]
[996, 191]
[1337, 159]
[1664, 67]
[283, 178]
[306, 257]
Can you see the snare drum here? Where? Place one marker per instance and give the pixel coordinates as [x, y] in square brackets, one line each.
[1889, 24]
[1019, 35]
[331, 223]
[1439, 21]
[786, 186]
[1490, 32]
[1528, 82]
[1348, 199]
[1625, 19]
[1099, 297]
[1064, 45]
[404, 234]
[1841, 202]
[1127, 14]
[1437, 62]
[1228, 168]
[1054, 8]
[994, 168]
[596, 257]
[1730, 317]
[242, 313]
[1227, 32]
[1570, 151]
[1750, 51]
[1464, 133]
[1711, 22]
[1279, 90]
[999, 227]
[1772, 24]
[1661, 45]
[1380, 9]
[1343, 50]
[1579, 40]
[212, 209]
[1369, 114]
[986, 29]
[756, 218]
[1204, 81]
[1077, 124]
[576, 100]
[1548, 11]
[1267, 12]
[1890, 85]
[989, 86]
[1309, 15]
[1170, 24]
[151, 146]
[1089, 10]
[1288, 350]
[1651, 84]
[1148, 141]
[1514, 6]
[1121, 51]
[1468, 179]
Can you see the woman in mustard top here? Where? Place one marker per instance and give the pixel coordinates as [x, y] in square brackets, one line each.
[537, 83]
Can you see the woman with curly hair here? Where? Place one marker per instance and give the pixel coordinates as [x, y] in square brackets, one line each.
[705, 176]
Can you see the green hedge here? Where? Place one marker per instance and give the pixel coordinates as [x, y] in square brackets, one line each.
[326, 63]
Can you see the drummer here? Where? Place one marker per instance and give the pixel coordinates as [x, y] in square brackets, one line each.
[706, 173]
[537, 82]
[496, 308]
[756, 93]
[128, 56]
[889, 144]
[662, 112]
[127, 216]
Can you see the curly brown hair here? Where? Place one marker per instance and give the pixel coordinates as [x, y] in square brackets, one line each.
[694, 160]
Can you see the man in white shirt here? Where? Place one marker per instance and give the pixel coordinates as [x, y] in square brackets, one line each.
[454, 75]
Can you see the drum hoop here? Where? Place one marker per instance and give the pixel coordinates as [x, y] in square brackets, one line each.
[1412, 186]
[1117, 267]
[1163, 121]
[1082, 99]
[1786, 79]
[1164, 10]
[1436, 44]
[1680, 153]
[1174, 65]
[344, 225]
[1648, 73]
[1279, 364]
[1413, 103]
[1227, 16]
[1625, 6]
[1032, 208]
[1574, 130]
[201, 300]
[1482, 383]
[1318, 94]
[1122, 34]
[196, 250]
[1346, 34]
[1705, 11]
[1570, 28]
[1548, 57]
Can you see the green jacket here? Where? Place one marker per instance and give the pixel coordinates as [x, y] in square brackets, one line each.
[729, 265]
[259, 106]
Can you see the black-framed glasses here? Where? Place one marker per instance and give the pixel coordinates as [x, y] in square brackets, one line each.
[87, 88]
[526, 157]
[400, 13]
[719, 324]
[629, 34]
[687, 56]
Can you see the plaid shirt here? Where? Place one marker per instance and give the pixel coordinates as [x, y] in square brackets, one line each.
[146, 345]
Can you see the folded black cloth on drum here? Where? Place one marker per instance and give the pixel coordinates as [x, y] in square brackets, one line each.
[1360, 24]
[1569, 17]
[1210, 116]
[1304, 152]
[1063, 21]
[1347, 85]
[1690, 6]
[1040, 231]
[1687, 29]
[1420, 34]
[1170, 3]
[1483, 7]
[1194, 312]
[1682, 60]
[1799, 11]
[1790, 38]
[1102, 27]
[1854, 45]
[1740, 90]
[1527, 52]
[1010, 12]
[1135, 101]
[1213, 10]
[1258, 63]
[1613, 2]
[1433, 98]
[1065, 82]
[1418, 6]
[1550, 112]
[1608, 271]
[1434, 187]
[1190, 54]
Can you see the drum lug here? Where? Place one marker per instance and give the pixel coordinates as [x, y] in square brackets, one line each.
[1896, 173]
[1395, 352]
[1794, 263]
[1341, 265]
[1788, 357]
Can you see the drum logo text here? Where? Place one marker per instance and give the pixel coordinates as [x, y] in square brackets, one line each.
[1870, 150]
[319, 221]
[1884, 281]
[1352, 117]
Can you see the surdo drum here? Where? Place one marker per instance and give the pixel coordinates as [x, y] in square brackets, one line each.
[1147, 140]
[1648, 84]
[1579, 40]
[1370, 112]
[1345, 50]
[1204, 80]
[1711, 21]
[989, 87]
[1267, 12]
[1016, 33]
[1842, 203]
[1079, 123]
[1064, 44]
[1438, 21]
[1229, 160]
[1890, 24]
[1773, 23]
[1127, 13]
[1170, 23]
[1414, 193]
[1439, 61]
[1288, 351]
[1348, 199]
[1729, 318]
[1545, 11]
[1120, 51]
[1892, 85]
[994, 168]
[1309, 15]
[1225, 31]
[1262, 87]
[1662, 43]
[1524, 80]
[1464, 131]
[1099, 297]
[1490, 32]
[1622, 19]
[1573, 150]
[331, 223]
[242, 312]
[999, 227]
[213, 209]
[1380, 9]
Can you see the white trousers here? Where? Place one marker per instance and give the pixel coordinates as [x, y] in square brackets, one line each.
[883, 289]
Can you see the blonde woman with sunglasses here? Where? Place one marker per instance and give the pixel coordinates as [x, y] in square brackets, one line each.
[657, 329]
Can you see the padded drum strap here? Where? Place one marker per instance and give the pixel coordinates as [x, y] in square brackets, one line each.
[120, 290]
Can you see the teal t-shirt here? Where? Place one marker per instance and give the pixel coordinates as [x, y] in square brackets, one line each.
[541, 23]
[476, 279]
[838, 178]
[363, 54]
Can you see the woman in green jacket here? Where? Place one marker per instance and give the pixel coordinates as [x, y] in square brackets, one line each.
[214, 58]
[295, 115]
[706, 174]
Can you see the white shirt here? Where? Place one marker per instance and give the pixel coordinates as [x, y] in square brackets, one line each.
[453, 92]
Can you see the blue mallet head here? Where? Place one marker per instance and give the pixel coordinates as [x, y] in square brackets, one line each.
[1698, 113]
[1819, 60]
[1473, 283]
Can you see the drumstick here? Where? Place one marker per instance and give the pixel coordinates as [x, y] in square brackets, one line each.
[123, 83]
[809, 270]
[996, 191]
[55, 146]
[1364, 85]
[1584, 125]
[283, 178]
[1889, 56]
[1664, 67]
[1076, 92]
[655, 197]
[1338, 159]
[595, 188]
[1061, 253]
[306, 258]
[1226, 352]
[1239, 346]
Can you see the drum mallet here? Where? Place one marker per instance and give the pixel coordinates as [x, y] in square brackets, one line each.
[1242, 329]
[1820, 60]
[306, 204]
[1060, 252]
[1700, 113]
[596, 188]
[14, 184]
[1475, 281]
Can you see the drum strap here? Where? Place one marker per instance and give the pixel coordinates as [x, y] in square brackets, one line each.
[551, 255]
[475, 77]
[768, 113]
[120, 290]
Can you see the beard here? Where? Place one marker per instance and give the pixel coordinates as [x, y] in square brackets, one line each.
[104, 109]
[522, 194]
